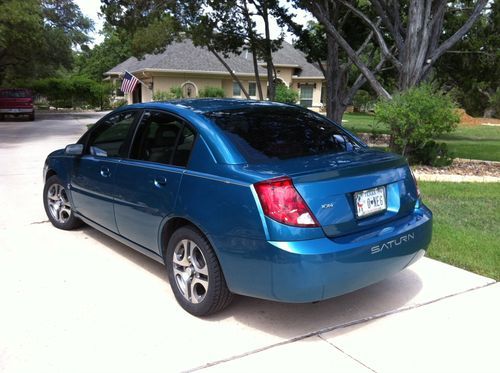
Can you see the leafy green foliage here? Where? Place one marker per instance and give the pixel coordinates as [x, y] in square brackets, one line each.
[433, 154]
[74, 91]
[286, 94]
[96, 61]
[362, 101]
[36, 38]
[415, 117]
[174, 92]
[472, 68]
[118, 103]
[211, 92]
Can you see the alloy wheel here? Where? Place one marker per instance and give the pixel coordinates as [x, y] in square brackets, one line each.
[190, 271]
[58, 203]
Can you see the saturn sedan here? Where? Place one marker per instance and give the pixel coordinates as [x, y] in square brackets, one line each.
[261, 199]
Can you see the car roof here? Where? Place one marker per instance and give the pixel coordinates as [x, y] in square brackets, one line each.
[205, 105]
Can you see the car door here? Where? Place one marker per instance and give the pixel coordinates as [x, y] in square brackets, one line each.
[93, 177]
[147, 183]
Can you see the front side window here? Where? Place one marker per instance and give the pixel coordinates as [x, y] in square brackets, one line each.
[109, 138]
[306, 95]
[163, 138]
[236, 89]
[267, 134]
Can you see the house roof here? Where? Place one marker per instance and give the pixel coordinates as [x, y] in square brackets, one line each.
[183, 56]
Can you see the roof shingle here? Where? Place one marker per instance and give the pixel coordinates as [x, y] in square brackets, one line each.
[184, 56]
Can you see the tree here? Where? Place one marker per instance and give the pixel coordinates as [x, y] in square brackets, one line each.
[223, 27]
[410, 35]
[342, 78]
[109, 53]
[471, 69]
[36, 37]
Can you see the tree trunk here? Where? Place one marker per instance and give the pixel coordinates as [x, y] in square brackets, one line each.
[235, 78]
[336, 83]
[253, 48]
[268, 54]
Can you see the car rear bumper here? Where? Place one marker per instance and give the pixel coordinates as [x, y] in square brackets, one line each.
[317, 269]
[17, 111]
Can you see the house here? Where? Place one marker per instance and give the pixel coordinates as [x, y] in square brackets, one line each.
[193, 68]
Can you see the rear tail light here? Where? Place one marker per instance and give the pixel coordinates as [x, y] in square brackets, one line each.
[416, 183]
[280, 201]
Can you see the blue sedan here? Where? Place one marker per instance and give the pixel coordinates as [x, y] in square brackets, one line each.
[242, 197]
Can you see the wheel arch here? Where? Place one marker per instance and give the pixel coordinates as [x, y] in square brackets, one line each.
[176, 222]
[50, 172]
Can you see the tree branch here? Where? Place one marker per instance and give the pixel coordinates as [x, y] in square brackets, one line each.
[378, 35]
[393, 29]
[452, 40]
[231, 72]
[319, 13]
[359, 82]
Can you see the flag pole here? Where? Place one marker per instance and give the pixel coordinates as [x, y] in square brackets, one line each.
[140, 81]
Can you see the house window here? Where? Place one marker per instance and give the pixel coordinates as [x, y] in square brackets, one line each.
[118, 91]
[252, 89]
[323, 93]
[236, 89]
[306, 95]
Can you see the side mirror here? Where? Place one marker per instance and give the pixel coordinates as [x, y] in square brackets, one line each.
[74, 149]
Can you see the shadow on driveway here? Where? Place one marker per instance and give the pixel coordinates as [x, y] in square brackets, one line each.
[289, 320]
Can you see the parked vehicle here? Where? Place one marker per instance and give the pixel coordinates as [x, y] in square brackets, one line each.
[16, 102]
[242, 197]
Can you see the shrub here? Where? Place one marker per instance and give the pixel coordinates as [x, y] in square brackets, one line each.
[415, 117]
[119, 103]
[174, 92]
[74, 91]
[285, 94]
[211, 92]
[495, 103]
[362, 101]
[433, 154]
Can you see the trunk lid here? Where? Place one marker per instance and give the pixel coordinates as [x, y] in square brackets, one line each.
[327, 184]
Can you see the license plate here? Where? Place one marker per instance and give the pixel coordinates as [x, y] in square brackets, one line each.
[370, 201]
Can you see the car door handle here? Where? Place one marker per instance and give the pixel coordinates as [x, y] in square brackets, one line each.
[160, 181]
[105, 172]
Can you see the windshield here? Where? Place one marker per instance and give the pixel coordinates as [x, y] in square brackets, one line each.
[269, 133]
[15, 93]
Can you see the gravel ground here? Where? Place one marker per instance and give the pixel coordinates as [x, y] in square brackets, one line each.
[463, 167]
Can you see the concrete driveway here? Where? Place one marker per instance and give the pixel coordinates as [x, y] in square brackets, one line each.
[80, 302]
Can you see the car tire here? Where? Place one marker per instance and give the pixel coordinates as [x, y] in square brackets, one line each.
[57, 205]
[195, 274]
[32, 116]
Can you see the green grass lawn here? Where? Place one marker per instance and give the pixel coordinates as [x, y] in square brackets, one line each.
[473, 142]
[466, 225]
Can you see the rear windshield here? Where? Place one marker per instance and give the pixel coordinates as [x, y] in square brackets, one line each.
[15, 93]
[267, 134]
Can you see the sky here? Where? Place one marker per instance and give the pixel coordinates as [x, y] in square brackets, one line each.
[91, 8]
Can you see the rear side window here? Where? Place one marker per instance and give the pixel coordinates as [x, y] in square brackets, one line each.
[163, 138]
[267, 134]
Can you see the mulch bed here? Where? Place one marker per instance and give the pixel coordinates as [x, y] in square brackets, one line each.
[464, 167]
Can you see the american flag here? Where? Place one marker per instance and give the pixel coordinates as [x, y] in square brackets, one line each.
[129, 82]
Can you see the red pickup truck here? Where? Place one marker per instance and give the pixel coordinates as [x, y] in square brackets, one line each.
[16, 101]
